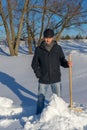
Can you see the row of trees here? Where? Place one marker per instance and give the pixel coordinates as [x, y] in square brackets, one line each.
[73, 37]
[29, 18]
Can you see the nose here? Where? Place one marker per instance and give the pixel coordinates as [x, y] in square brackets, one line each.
[47, 39]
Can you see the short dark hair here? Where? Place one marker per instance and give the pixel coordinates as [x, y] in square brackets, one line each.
[48, 33]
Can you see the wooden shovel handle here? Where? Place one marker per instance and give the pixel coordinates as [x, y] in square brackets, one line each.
[70, 81]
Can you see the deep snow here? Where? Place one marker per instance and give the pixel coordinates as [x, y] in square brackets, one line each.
[18, 92]
[57, 116]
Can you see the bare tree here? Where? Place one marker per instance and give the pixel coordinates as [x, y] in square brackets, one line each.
[43, 20]
[29, 30]
[68, 14]
[11, 21]
[12, 42]
[56, 14]
[6, 29]
[60, 15]
[20, 28]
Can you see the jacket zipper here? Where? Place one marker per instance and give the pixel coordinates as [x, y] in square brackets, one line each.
[49, 65]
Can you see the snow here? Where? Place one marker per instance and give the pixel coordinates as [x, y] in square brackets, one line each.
[57, 116]
[5, 123]
[57, 106]
[18, 92]
[7, 108]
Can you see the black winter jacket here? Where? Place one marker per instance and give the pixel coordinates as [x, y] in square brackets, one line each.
[46, 65]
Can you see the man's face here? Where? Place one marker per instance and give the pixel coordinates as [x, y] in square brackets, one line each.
[48, 40]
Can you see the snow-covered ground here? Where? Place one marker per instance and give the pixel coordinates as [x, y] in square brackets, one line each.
[18, 92]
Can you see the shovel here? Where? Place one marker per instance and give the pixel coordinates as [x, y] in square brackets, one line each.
[70, 87]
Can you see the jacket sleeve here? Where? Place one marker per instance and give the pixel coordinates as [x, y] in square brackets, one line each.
[63, 61]
[35, 64]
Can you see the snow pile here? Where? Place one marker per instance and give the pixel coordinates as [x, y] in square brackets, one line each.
[4, 123]
[7, 103]
[7, 108]
[57, 116]
[7, 111]
[57, 106]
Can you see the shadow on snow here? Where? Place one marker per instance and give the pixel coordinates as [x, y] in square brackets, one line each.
[26, 102]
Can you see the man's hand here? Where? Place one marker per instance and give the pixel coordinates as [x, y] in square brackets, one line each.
[70, 63]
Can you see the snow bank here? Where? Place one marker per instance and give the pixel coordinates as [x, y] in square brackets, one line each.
[5, 102]
[57, 116]
[57, 106]
[4, 123]
[7, 108]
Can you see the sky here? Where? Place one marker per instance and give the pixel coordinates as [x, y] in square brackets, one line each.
[71, 31]
[74, 32]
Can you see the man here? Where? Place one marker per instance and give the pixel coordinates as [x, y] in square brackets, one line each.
[46, 64]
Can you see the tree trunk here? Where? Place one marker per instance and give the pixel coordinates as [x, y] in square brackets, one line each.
[58, 36]
[42, 26]
[20, 29]
[11, 22]
[28, 31]
[29, 45]
[7, 30]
